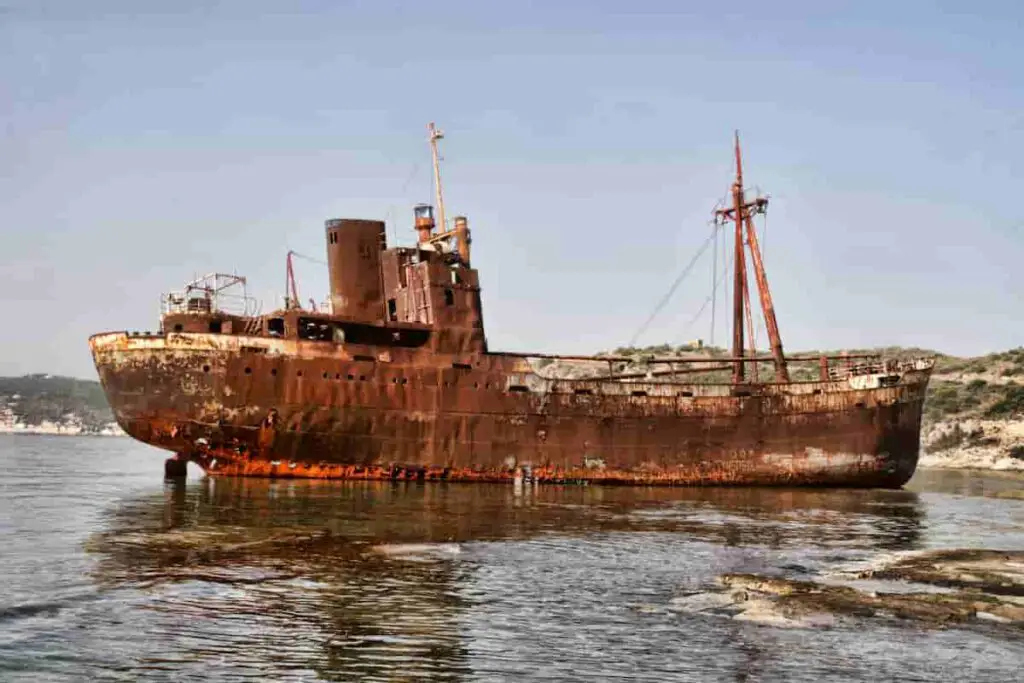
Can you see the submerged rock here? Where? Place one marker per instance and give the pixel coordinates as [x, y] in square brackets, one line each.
[982, 587]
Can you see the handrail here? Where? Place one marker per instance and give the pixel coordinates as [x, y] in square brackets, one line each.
[690, 359]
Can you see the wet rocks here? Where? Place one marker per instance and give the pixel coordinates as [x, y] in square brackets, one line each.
[949, 588]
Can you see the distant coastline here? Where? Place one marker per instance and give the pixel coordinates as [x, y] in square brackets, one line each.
[55, 406]
[59, 430]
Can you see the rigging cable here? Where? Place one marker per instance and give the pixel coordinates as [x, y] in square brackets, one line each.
[391, 209]
[672, 289]
[309, 258]
[711, 298]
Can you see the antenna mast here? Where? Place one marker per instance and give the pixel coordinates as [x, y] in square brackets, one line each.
[292, 298]
[435, 134]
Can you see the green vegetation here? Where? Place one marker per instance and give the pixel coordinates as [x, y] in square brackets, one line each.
[1010, 404]
[34, 399]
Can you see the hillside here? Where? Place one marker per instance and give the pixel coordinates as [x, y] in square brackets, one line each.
[48, 404]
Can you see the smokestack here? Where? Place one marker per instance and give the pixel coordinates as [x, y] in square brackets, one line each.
[424, 222]
[462, 234]
[354, 268]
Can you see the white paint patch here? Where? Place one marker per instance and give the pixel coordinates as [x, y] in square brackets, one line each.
[818, 458]
[418, 552]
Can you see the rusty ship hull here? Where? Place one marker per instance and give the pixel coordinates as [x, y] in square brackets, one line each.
[246, 406]
[392, 378]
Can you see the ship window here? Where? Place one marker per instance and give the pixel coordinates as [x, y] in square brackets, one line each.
[373, 335]
[449, 297]
[206, 368]
[351, 376]
[638, 393]
[315, 330]
[215, 326]
[519, 388]
[685, 393]
[455, 277]
[178, 327]
[462, 366]
[275, 327]
[299, 373]
[584, 392]
[325, 375]
[248, 371]
[273, 372]
[392, 309]
[365, 359]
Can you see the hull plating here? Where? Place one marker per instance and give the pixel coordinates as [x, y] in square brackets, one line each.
[271, 407]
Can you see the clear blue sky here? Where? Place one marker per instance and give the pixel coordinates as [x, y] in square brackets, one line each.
[587, 141]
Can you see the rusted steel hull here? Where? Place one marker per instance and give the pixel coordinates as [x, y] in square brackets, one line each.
[241, 406]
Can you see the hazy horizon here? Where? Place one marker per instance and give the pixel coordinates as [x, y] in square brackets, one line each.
[587, 144]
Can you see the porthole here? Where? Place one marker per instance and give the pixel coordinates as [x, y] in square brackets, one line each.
[248, 371]
[273, 371]
[206, 368]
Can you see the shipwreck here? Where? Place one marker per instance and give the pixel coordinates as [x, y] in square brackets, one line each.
[392, 378]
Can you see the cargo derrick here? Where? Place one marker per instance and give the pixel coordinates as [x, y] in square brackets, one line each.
[391, 378]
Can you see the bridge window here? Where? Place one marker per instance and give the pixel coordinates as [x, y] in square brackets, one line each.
[275, 327]
[315, 330]
[449, 297]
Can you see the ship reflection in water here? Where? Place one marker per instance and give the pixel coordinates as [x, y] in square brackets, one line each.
[346, 580]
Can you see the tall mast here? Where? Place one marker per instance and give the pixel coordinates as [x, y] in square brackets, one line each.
[435, 135]
[739, 283]
[741, 214]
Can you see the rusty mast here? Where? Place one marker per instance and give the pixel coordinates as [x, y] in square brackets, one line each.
[742, 213]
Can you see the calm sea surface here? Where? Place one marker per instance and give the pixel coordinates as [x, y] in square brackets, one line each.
[110, 574]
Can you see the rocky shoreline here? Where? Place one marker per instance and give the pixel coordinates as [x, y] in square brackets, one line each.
[964, 588]
[977, 444]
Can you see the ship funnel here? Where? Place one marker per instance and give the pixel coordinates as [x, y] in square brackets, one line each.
[354, 267]
[462, 235]
[424, 222]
